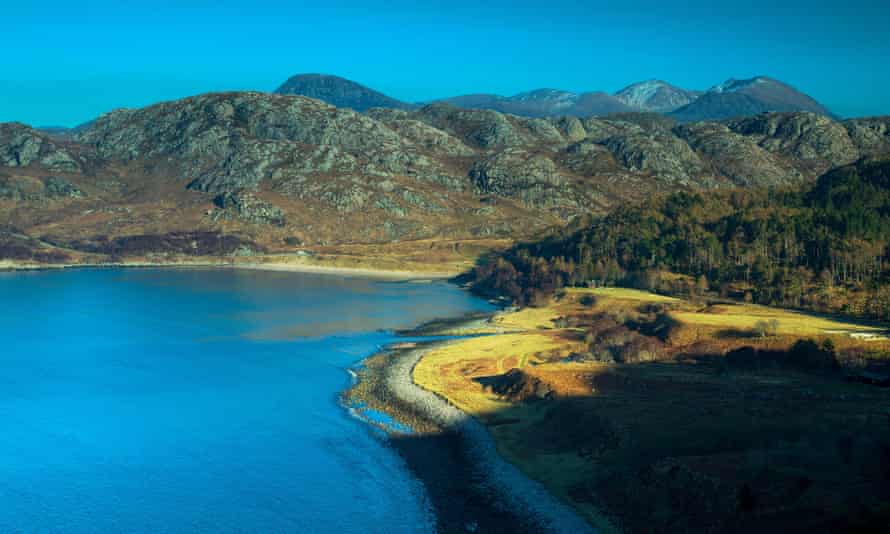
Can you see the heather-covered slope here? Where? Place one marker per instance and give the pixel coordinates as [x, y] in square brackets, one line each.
[824, 249]
[284, 172]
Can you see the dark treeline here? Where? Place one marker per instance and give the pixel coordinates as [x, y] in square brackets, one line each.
[824, 249]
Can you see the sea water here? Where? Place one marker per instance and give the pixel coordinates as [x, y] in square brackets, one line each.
[200, 400]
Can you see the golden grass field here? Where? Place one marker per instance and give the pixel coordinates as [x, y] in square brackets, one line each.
[656, 406]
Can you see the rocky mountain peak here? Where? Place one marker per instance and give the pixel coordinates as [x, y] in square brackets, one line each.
[655, 95]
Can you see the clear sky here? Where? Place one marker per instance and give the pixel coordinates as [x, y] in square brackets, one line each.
[65, 61]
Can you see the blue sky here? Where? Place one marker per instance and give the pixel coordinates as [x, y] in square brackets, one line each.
[66, 62]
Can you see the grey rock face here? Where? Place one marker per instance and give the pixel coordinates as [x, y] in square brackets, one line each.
[422, 135]
[249, 208]
[344, 194]
[571, 128]
[589, 158]
[870, 135]
[22, 188]
[22, 149]
[480, 128]
[601, 129]
[657, 153]
[22, 146]
[812, 138]
[422, 171]
[517, 173]
[738, 157]
[233, 141]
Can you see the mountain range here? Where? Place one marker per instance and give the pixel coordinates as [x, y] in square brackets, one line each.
[252, 173]
[730, 99]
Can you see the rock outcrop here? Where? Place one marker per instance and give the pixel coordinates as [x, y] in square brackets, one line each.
[27, 188]
[532, 178]
[739, 158]
[22, 146]
[870, 135]
[811, 139]
[661, 154]
[249, 208]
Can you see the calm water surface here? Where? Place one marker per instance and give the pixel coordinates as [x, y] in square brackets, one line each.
[199, 401]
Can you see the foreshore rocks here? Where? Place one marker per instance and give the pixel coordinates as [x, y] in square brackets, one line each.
[514, 491]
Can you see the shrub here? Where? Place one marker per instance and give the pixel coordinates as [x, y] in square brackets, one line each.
[588, 300]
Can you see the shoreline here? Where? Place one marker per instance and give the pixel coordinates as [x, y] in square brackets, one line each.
[454, 456]
[360, 272]
[470, 486]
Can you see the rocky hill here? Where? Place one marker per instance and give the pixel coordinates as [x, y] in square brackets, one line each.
[273, 173]
[339, 92]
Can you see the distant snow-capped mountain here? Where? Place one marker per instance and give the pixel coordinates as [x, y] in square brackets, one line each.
[544, 103]
[732, 98]
[656, 95]
[736, 98]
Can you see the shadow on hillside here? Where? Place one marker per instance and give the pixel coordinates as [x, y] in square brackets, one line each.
[708, 446]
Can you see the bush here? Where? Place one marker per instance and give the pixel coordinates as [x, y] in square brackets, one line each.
[588, 300]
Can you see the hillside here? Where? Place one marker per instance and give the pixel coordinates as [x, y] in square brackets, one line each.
[825, 249]
[257, 174]
[655, 414]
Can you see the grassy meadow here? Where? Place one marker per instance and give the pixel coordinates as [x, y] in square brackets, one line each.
[672, 434]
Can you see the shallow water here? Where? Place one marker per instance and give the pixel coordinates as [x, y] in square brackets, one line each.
[200, 401]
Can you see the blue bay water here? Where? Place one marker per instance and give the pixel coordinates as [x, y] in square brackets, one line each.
[200, 401]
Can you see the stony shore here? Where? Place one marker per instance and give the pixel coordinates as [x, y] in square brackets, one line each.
[471, 487]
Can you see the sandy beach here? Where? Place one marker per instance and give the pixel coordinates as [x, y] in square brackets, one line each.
[295, 267]
[343, 271]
